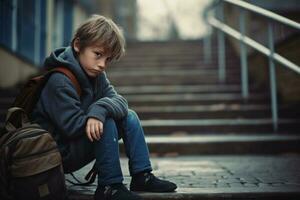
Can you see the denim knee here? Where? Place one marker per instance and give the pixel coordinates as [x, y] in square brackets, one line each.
[132, 118]
[110, 129]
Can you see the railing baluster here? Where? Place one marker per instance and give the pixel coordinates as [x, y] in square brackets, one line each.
[244, 61]
[207, 48]
[221, 47]
[14, 26]
[37, 33]
[272, 75]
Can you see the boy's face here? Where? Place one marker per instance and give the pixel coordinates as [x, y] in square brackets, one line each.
[93, 59]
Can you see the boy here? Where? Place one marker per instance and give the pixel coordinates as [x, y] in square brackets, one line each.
[89, 126]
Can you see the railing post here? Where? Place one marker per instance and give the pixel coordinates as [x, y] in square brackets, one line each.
[37, 37]
[221, 46]
[14, 26]
[207, 48]
[272, 75]
[244, 61]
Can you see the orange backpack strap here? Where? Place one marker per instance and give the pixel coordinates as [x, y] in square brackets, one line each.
[71, 76]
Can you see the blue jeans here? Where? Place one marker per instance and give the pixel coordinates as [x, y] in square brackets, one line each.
[106, 150]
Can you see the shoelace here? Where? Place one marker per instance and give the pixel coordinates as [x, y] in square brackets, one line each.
[109, 191]
[149, 177]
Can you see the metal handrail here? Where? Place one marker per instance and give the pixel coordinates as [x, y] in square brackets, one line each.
[264, 12]
[259, 47]
[245, 40]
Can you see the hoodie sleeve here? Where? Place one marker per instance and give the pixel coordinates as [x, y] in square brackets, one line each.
[115, 105]
[62, 105]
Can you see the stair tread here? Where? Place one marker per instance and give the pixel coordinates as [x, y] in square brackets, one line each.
[201, 108]
[163, 89]
[220, 138]
[212, 122]
[187, 97]
[162, 72]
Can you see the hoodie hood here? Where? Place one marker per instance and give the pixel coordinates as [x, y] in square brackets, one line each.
[64, 57]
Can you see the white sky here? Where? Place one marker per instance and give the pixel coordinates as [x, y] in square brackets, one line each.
[154, 18]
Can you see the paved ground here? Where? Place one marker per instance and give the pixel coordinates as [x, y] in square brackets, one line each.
[219, 177]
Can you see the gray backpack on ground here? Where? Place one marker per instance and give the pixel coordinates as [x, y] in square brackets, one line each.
[30, 162]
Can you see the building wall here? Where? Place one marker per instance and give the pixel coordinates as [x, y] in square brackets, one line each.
[30, 30]
[13, 69]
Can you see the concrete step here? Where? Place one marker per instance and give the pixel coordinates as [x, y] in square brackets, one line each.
[178, 89]
[266, 193]
[216, 111]
[174, 73]
[172, 81]
[221, 144]
[156, 65]
[196, 126]
[178, 66]
[213, 111]
[174, 55]
[179, 51]
[169, 43]
[133, 56]
[192, 99]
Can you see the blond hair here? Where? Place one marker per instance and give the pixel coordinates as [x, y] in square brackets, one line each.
[101, 31]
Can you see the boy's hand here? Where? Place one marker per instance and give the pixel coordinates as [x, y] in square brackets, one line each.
[94, 129]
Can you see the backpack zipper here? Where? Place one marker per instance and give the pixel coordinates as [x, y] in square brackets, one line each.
[34, 154]
[24, 135]
[8, 139]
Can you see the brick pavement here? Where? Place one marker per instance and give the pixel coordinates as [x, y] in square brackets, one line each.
[219, 177]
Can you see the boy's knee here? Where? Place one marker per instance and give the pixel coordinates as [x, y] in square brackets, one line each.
[110, 124]
[132, 117]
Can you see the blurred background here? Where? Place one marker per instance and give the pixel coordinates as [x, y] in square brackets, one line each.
[32, 29]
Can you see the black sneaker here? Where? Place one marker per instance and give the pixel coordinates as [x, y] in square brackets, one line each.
[115, 192]
[147, 182]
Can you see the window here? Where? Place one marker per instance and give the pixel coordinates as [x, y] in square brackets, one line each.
[41, 47]
[26, 28]
[6, 11]
[63, 23]
[68, 22]
[23, 27]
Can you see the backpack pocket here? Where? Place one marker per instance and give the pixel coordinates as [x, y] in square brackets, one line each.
[48, 185]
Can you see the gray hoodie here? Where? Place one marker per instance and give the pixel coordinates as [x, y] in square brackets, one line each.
[62, 111]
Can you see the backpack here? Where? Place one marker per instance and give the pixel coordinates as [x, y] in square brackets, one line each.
[30, 162]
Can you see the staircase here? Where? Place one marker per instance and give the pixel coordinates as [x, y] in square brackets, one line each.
[177, 95]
